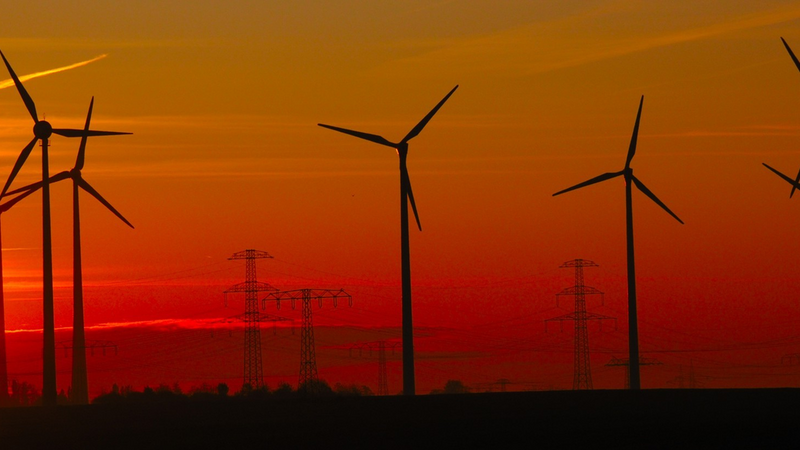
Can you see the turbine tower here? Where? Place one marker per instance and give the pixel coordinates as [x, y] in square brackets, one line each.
[627, 174]
[80, 383]
[796, 182]
[42, 130]
[406, 197]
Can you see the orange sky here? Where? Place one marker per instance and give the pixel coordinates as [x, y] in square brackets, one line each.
[223, 101]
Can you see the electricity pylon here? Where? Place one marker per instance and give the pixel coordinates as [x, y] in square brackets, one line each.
[380, 347]
[253, 368]
[582, 378]
[790, 359]
[618, 362]
[309, 377]
[690, 381]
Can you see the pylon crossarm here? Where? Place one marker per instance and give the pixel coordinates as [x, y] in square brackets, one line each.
[578, 263]
[257, 286]
[617, 362]
[568, 316]
[91, 345]
[626, 362]
[250, 254]
[307, 294]
[585, 290]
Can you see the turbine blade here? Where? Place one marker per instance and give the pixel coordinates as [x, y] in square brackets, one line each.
[82, 149]
[33, 187]
[788, 180]
[88, 188]
[653, 197]
[68, 132]
[791, 53]
[794, 186]
[411, 198]
[597, 179]
[7, 205]
[416, 130]
[18, 165]
[635, 137]
[22, 92]
[370, 137]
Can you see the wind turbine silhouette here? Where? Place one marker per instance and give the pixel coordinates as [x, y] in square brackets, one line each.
[3, 361]
[627, 174]
[42, 130]
[796, 182]
[406, 197]
[80, 384]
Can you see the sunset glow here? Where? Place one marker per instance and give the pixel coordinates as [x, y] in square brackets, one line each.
[223, 100]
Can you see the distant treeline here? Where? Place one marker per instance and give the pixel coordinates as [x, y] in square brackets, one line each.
[24, 394]
[221, 391]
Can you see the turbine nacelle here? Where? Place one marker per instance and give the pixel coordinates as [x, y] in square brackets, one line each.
[627, 171]
[42, 129]
[401, 147]
[406, 197]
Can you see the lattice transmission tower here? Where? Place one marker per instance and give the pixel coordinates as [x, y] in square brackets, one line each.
[253, 368]
[690, 380]
[626, 363]
[380, 347]
[309, 376]
[582, 378]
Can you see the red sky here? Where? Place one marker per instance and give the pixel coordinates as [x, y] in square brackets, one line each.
[226, 155]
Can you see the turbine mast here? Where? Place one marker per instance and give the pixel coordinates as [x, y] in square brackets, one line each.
[409, 381]
[633, 321]
[49, 393]
[80, 377]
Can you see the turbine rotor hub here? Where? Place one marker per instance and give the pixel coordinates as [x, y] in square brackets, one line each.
[402, 148]
[43, 129]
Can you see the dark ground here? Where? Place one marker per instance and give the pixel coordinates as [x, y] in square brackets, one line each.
[669, 419]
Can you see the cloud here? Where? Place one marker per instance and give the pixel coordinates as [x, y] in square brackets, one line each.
[543, 46]
[162, 324]
[10, 82]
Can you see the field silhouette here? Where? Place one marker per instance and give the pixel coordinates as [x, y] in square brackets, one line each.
[722, 418]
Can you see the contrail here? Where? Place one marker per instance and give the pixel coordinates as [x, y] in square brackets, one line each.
[10, 82]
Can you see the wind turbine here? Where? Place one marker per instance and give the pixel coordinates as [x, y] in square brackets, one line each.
[3, 361]
[80, 384]
[627, 174]
[796, 182]
[406, 197]
[42, 130]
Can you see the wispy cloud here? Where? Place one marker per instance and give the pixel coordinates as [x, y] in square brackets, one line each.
[542, 46]
[9, 82]
[162, 324]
